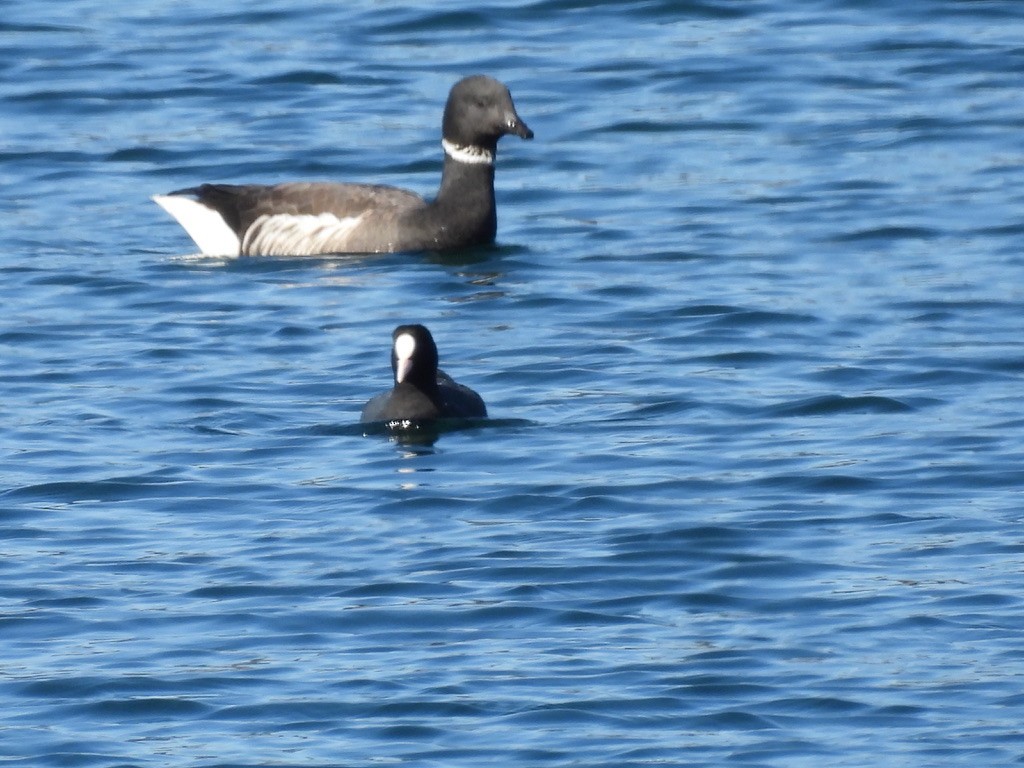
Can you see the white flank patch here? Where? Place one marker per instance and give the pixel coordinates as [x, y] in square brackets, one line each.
[204, 225]
[405, 345]
[472, 155]
[289, 234]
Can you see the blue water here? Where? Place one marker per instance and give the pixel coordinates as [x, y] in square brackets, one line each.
[751, 337]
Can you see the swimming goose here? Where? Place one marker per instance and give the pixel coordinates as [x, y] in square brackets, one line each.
[304, 218]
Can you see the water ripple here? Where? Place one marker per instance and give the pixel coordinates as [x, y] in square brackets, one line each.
[750, 489]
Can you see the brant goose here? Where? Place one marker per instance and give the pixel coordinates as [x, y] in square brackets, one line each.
[298, 219]
[421, 391]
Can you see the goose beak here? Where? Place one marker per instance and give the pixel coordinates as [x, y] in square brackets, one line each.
[518, 127]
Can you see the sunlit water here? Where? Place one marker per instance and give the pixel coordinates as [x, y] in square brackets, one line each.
[750, 337]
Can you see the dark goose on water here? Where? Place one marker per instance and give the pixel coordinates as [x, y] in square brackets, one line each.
[304, 218]
[421, 391]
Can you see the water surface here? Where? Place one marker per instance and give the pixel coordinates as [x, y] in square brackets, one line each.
[750, 336]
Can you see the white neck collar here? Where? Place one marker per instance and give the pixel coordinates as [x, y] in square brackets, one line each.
[469, 154]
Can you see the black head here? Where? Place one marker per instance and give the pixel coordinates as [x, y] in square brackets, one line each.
[479, 112]
[414, 357]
